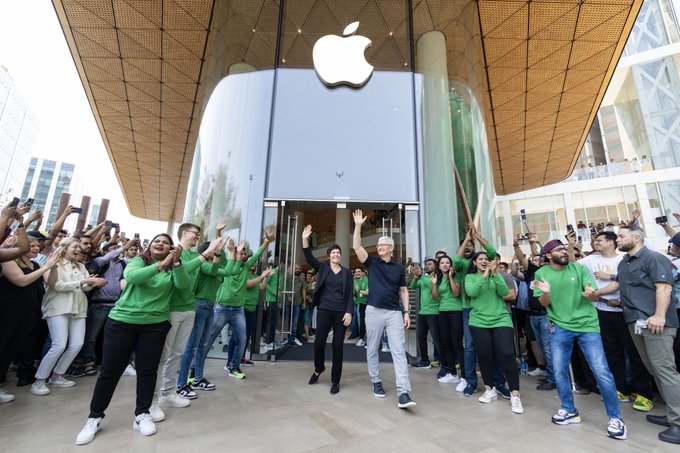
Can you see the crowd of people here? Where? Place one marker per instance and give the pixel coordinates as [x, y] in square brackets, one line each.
[595, 321]
[612, 168]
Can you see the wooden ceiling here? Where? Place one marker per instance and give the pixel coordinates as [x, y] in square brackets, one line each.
[539, 68]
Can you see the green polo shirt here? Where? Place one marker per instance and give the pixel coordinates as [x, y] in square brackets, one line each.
[485, 295]
[271, 291]
[208, 281]
[252, 295]
[428, 305]
[232, 289]
[568, 308]
[185, 299]
[447, 301]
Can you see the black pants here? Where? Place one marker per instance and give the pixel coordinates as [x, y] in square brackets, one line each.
[273, 317]
[120, 341]
[325, 320]
[16, 323]
[451, 338]
[425, 324]
[496, 344]
[618, 343]
[362, 321]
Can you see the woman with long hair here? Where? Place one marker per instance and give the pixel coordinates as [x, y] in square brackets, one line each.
[334, 300]
[491, 327]
[447, 292]
[138, 323]
[65, 310]
[21, 292]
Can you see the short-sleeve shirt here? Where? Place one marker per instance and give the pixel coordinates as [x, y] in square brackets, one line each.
[568, 308]
[638, 275]
[384, 280]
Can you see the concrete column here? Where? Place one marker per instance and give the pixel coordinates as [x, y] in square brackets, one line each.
[298, 236]
[342, 233]
[63, 203]
[103, 211]
[82, 217]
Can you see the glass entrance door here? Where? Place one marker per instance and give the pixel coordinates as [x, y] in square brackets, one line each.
[286, 307]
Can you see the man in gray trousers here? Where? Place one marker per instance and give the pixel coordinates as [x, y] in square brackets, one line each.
[645, 278]
[386, 309]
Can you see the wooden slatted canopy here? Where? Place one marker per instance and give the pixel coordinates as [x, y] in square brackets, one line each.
[540, 69]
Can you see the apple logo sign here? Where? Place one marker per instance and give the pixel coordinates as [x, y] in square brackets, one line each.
[340, 60]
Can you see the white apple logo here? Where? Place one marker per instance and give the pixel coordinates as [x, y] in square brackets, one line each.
[340, 60]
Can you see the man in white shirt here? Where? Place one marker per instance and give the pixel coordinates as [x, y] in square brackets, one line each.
[616, 337]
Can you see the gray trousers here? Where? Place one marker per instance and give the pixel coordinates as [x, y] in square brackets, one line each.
[656, 352]
[377, 320]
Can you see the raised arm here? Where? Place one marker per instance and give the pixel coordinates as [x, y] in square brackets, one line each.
[519, 254]
[360, 251]
[14, 274]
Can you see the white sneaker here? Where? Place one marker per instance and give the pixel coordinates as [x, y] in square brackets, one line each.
[270, 346]
[516, 405]
[385, 348]
[449, 378]
[536, 372]
[157, 414]
[86, 435]
[361, 342]
[5, 397]
[144, 425]
[40, 388]
[488, 396]
[297, 342]
[60, 382]
[172, 400]
[461, 385]
[130, 371]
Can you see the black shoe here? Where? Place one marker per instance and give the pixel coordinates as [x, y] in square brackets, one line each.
[443, 371]
[378, 390]
[659, 420]
[335, 388]
[671, 435]
[546, 386]
[405, 401]
[74, 372]
[315, 377]
[25, 381]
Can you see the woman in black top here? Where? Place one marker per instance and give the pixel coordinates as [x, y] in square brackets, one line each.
[333, 298]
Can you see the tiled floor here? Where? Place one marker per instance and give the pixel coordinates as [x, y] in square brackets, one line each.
[275, 410]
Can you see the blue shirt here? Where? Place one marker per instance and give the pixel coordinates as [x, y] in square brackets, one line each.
[385, 278]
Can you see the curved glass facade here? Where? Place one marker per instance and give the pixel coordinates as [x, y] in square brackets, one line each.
[281, 134]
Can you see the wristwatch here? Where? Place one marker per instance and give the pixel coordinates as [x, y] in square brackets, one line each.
[612, 277]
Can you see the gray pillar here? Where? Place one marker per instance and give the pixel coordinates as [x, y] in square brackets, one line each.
[103, 210]
[342, 233]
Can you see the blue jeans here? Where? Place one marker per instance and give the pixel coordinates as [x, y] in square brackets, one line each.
[97, 314]
[251, 316]
[354, 327]
[562, 344]
[199, 333]
[222, 315]
[541, 328]
[296, 316]
[470, 358]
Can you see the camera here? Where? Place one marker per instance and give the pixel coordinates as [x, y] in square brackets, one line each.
[78, 210]
[523, 215]
[108, 223]
[29, 203]
[15, 202]
[115, 225]
[661, 220]
[593, 230]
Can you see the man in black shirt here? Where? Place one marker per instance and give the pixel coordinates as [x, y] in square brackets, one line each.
[387, 309]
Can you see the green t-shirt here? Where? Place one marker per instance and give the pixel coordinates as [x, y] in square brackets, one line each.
[273, 283]
[208, 281]
[568, 308]
[360, 285]
[146, 297]
[428, 305]
[485, 295]
[185, 299]
[461, 265]
[252, 295]
[447, 301]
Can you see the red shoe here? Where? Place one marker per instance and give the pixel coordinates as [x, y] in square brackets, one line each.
[247, 362]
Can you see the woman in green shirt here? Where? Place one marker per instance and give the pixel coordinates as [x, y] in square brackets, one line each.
[138, 323]
[446, 292]
[491, 327]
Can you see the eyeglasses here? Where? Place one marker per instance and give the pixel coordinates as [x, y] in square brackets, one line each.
[384, 245]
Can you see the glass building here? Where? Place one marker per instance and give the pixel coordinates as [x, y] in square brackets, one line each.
[631, 159]
[217, 110]
[45, 181]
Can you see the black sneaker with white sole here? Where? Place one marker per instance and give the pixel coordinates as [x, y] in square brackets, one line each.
[405, 401]
[204, 385]
[378, 390]
[187, 392]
